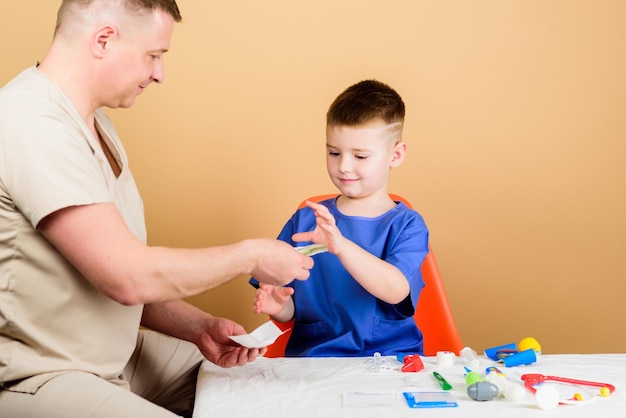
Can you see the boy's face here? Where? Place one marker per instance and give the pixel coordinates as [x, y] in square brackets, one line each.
[359, 159]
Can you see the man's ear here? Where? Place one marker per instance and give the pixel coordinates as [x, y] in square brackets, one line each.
[101, 40]
[398, 154]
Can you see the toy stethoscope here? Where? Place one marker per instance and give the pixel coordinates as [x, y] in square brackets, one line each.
[532, 379]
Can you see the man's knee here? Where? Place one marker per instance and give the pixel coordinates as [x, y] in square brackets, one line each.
[164, 370]
[78, 394]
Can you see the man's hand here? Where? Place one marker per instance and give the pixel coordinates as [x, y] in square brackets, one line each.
[221, 350]
[278, 263]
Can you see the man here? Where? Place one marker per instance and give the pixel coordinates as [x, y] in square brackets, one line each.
[76, 276]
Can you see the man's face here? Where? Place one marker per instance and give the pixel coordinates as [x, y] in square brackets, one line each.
[136, 60]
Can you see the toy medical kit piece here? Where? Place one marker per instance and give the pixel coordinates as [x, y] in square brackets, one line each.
[501, 351]
[509, 390]
[430, 399]
[380, 364]
[514, 391]
[442, 382]
[263, 336]
[532, 379]
[369, 399]
[520, 358]
[510, 356]
[445, 359]
[495, 376]
[529, 342]
[470, 357]
[412, 363]
[312, 249]
[410, 380]
[472, 377]
[545, 396]
[515, 355]
[482, 391]
[479, 389]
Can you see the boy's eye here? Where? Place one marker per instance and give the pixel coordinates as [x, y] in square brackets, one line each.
[360, 157]
[333, 153]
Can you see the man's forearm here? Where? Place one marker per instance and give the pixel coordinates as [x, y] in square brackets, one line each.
[176, 318]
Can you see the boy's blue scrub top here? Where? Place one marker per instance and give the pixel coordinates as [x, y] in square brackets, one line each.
[334, 315]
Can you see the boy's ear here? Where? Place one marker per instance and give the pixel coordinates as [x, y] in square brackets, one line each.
[398, 154]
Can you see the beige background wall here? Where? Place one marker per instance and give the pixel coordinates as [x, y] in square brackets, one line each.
[516, 129]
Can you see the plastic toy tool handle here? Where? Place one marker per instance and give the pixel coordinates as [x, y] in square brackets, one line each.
[611, 388]
[532, 379]
[442, 382]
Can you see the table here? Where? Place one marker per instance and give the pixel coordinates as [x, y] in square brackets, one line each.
[317, 387]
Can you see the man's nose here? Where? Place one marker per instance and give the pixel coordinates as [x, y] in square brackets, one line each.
[158, 74]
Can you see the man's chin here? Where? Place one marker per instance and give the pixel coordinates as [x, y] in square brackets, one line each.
[126, 104]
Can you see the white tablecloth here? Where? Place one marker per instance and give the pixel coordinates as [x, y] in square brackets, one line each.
[316, 387]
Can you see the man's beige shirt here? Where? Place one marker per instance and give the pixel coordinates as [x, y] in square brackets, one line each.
[52, 319]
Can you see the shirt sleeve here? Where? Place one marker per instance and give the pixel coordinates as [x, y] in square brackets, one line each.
[47, 165]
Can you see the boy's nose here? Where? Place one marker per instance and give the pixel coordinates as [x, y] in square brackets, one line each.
[345, 165]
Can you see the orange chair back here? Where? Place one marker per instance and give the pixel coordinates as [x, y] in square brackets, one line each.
[433, 315]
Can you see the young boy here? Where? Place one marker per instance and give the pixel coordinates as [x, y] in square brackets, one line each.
[361, 295]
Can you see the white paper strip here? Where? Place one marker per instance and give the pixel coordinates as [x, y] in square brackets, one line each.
[263, 336]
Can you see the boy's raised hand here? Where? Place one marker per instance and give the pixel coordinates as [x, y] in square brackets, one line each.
[326, 231]
[271, 299]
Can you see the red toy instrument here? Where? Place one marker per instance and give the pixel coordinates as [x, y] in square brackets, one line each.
[532, 379]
